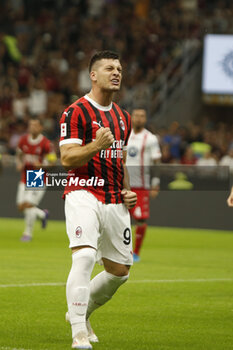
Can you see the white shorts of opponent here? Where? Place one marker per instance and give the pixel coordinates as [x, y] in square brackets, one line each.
[30, 196]
[105, 227]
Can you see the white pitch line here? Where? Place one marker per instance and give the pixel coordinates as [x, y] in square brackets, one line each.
[7, 348]
[49, 284]
[55, 284]
[197, 280]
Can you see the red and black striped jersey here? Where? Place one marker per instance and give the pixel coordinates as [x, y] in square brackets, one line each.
[103, 174]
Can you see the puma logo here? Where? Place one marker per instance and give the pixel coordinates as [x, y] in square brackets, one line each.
[67, 113]
[99, 124]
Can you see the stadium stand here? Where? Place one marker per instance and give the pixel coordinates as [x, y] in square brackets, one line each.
[44, 49]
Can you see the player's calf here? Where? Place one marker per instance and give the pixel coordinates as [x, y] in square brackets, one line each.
[77, 288]
[44, 220]
[103, 287]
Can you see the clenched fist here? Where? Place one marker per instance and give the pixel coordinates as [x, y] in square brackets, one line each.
[129, 198]
[104, 138]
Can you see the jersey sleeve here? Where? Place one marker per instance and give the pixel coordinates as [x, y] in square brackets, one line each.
[49, 155]
[48, 147]
[129, 128]
[71, 127]
[155, 151]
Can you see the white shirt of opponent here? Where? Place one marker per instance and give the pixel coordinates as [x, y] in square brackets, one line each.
[143, 149]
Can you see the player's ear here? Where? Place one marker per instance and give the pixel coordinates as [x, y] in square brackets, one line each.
[93, 75]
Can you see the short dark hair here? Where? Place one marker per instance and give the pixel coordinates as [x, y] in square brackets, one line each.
[139, 106]
[102, 54]
[36, 118]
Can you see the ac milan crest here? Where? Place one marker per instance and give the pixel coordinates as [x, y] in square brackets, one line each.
[78, 231]
[122, 124]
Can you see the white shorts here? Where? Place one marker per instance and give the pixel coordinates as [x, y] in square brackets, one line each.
[30, 196]
[105, 227]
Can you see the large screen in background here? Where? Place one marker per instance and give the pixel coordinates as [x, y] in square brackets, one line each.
[217, 76]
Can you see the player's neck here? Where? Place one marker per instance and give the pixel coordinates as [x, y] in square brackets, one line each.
[137, 131]
[102, 98]
[34, 137]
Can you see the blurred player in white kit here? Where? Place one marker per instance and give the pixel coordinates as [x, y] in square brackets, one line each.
[143, 152]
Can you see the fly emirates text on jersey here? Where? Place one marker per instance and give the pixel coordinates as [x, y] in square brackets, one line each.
[115, 151]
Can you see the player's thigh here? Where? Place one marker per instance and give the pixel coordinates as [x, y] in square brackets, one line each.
[30, 196]
[20, 196]
[115, 242]
[82, 224]
[35, 196]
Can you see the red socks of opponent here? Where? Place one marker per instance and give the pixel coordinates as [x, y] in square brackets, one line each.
[139, 236]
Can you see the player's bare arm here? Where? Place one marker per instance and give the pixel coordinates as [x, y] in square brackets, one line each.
[126, 182]
[230, 199]
[19, 160]
[75, 156]
[49, 160]
[130, 198]
[155, 183]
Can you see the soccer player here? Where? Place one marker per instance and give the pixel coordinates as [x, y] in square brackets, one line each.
[94, 137]
[143, 151]
[230, 199]
[32, 152]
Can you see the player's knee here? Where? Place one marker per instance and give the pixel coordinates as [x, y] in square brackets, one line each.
[118, 280]
[124, 278]
[86, 254]
[28, 205]
[125, 272]
[119, 271]
[21, 207]
[25, 205]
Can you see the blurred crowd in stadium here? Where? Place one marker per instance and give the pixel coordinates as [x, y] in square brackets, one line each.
[45, 46]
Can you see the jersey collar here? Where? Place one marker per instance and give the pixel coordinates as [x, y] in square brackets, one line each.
[96, 105]
[36, 140]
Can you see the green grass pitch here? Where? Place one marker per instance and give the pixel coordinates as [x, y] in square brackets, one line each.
[179, 297]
